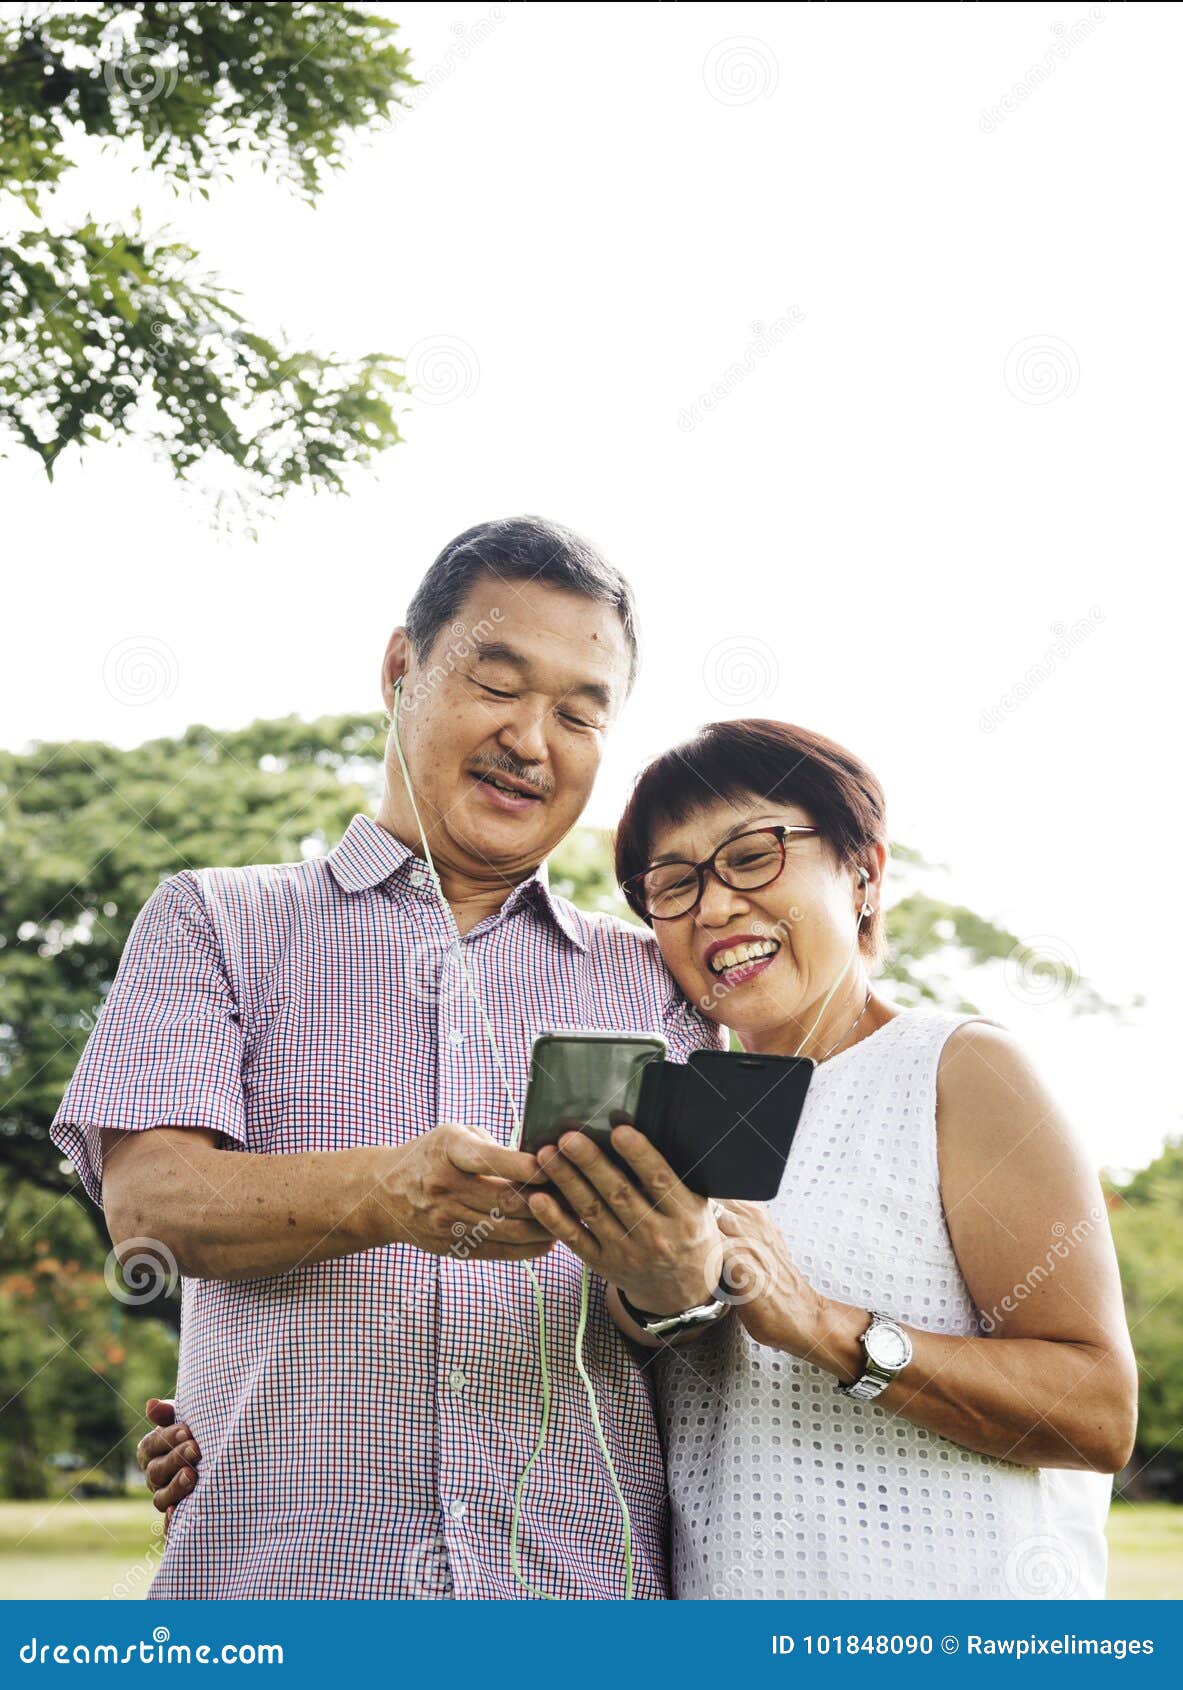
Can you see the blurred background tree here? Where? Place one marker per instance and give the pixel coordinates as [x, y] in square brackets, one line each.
[109, 331]
[1147, 1217]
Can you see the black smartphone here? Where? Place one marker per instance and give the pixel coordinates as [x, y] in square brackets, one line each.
[725, 1120]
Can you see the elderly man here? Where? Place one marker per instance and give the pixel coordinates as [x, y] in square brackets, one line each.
[292, 1093]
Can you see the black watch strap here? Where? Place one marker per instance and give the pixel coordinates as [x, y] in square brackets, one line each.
[667, 1325]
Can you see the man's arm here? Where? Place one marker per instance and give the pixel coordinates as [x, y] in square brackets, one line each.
[237, 1215]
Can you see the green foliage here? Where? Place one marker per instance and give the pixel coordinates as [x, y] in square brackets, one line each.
[1147, 1217]
[75, 1364]
[89, 832]
[109, 332]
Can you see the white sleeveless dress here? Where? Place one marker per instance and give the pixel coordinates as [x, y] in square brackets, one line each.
[782, 1487]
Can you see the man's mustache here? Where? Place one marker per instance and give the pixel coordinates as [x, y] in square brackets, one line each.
[507, 764]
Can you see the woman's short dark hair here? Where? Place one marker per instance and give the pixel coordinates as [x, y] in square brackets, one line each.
[768, 760]
[517, 548]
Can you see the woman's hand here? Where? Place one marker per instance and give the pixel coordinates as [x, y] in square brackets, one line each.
[773, 1299]
[658, 1244]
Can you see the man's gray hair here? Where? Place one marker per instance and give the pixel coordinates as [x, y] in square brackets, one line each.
[517, 548]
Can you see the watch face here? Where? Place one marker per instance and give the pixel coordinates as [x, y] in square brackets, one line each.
[888, 1346]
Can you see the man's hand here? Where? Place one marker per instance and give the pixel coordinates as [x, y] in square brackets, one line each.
[456, 1191]
[167, 1457]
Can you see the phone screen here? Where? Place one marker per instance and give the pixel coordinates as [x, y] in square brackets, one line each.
[585, 1080]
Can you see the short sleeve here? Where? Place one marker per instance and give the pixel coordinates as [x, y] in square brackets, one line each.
[686, 1029]
[166, 1049]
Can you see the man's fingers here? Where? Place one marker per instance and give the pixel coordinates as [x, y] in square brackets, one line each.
[480, 1231]
[475, 1155]
[502, 1194]
[161, 1411]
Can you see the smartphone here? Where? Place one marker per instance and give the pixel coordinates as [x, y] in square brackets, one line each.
[584, 1079]
[725, 1120]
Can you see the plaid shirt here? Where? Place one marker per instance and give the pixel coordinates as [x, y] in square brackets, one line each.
[364, 1420]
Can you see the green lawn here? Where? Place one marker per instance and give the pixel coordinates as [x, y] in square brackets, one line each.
[106, 1549]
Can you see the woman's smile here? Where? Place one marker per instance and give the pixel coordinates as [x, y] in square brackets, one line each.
[740, 957]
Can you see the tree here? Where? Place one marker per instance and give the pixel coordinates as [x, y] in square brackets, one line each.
[1147, 1218]
[109, 331]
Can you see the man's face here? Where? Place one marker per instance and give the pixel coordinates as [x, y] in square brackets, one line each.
[502, 724]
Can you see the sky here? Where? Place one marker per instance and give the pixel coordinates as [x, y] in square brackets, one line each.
[851, 333]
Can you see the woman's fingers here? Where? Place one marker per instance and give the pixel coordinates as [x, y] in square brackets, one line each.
[168, 1459]
[665, 1189]
[566, 1229]
[736, 1219]
[597, 1200]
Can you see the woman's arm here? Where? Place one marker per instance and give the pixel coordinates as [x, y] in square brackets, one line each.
[1054, 1384]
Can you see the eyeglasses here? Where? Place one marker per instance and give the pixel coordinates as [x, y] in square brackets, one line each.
[744, 863]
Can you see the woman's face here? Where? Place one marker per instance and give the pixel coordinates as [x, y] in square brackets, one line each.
[804, 922]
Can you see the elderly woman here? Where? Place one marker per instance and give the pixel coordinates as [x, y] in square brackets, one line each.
[918, 1364]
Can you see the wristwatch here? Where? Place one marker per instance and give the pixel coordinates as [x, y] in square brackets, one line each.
[888, 1350]
[669, 1325]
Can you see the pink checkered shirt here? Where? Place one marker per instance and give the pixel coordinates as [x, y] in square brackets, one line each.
[364, 1421]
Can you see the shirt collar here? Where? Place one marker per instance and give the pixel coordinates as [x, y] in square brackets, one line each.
[368, 855]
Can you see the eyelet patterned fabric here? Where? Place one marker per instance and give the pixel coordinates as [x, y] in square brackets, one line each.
[781, 1486]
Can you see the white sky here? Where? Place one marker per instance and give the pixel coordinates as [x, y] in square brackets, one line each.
[594, 214]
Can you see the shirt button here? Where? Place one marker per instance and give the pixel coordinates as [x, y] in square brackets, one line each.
[457, 1509]
[456, 1036]
[457, 1379]
[417, 878]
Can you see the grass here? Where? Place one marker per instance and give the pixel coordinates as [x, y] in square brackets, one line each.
[1146, 1551]
[58, 1550]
